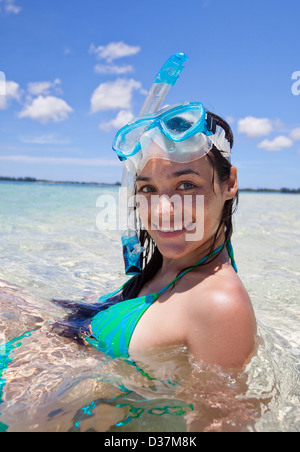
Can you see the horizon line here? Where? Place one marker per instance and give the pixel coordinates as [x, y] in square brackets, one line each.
[117, 183]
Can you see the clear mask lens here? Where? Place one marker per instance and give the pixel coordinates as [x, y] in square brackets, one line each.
[179, 125]
[128, 140]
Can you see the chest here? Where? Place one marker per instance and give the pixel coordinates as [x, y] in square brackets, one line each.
[163, 324]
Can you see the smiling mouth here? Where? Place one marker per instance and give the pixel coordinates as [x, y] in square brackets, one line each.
[174, 229]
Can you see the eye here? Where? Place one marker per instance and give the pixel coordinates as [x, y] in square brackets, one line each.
[186, 186]
[146, 189]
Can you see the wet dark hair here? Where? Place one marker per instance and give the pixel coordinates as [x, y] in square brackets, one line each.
[76, 324]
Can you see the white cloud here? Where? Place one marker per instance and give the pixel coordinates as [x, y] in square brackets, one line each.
[278, 124]
[278, 144]
[60, 160]
[295, 134]
[122, 118]
[42, 88]
[114, 95]
[13, 92]
[112, 69]
[9, 7]
[43, 139]
[255, 127]
[114, 50]
[46, 109]
[2, 84]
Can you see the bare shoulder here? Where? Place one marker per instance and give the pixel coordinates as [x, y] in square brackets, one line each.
[222, 294]
[222, 325]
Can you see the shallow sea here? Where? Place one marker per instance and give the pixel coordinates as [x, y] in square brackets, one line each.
[51, 247]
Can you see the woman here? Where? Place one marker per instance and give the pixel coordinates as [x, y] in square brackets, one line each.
[179, 153]
[185, 289]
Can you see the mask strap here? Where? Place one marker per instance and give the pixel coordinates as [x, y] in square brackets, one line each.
[211, 124]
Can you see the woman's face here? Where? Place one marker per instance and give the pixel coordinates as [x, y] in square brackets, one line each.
[179, 205]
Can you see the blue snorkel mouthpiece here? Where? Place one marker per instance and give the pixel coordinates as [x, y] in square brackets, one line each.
[132, 252]
[167, 77]
[171, 70]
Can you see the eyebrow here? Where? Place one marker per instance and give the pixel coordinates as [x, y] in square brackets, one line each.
[184, 172]
[176, 174]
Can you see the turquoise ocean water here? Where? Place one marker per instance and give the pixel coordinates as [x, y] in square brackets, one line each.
[51, 247]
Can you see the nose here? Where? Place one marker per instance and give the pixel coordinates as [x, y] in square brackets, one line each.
[164, 206]
[166, 211]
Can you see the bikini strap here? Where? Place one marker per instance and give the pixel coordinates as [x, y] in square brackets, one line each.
[231, 255]
[204, 259]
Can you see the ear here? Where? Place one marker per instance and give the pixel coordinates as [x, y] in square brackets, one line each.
[231, 186]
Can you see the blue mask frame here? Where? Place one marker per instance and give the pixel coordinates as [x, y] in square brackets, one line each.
[163, 119]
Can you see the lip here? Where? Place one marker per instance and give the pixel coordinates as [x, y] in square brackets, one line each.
[170, 234]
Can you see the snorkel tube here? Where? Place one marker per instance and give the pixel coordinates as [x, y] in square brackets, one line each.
[165, 79]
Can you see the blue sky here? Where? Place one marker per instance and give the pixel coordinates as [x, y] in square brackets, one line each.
[76, 70]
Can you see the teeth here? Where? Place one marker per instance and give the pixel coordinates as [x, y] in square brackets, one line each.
[188, 227]
[179, 228]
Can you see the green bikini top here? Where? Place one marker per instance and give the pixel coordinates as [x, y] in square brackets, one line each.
[113, 328]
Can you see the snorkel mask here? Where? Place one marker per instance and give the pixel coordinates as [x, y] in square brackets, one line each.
[180, 133]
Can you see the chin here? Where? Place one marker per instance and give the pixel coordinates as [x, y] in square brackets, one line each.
[173, 250]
